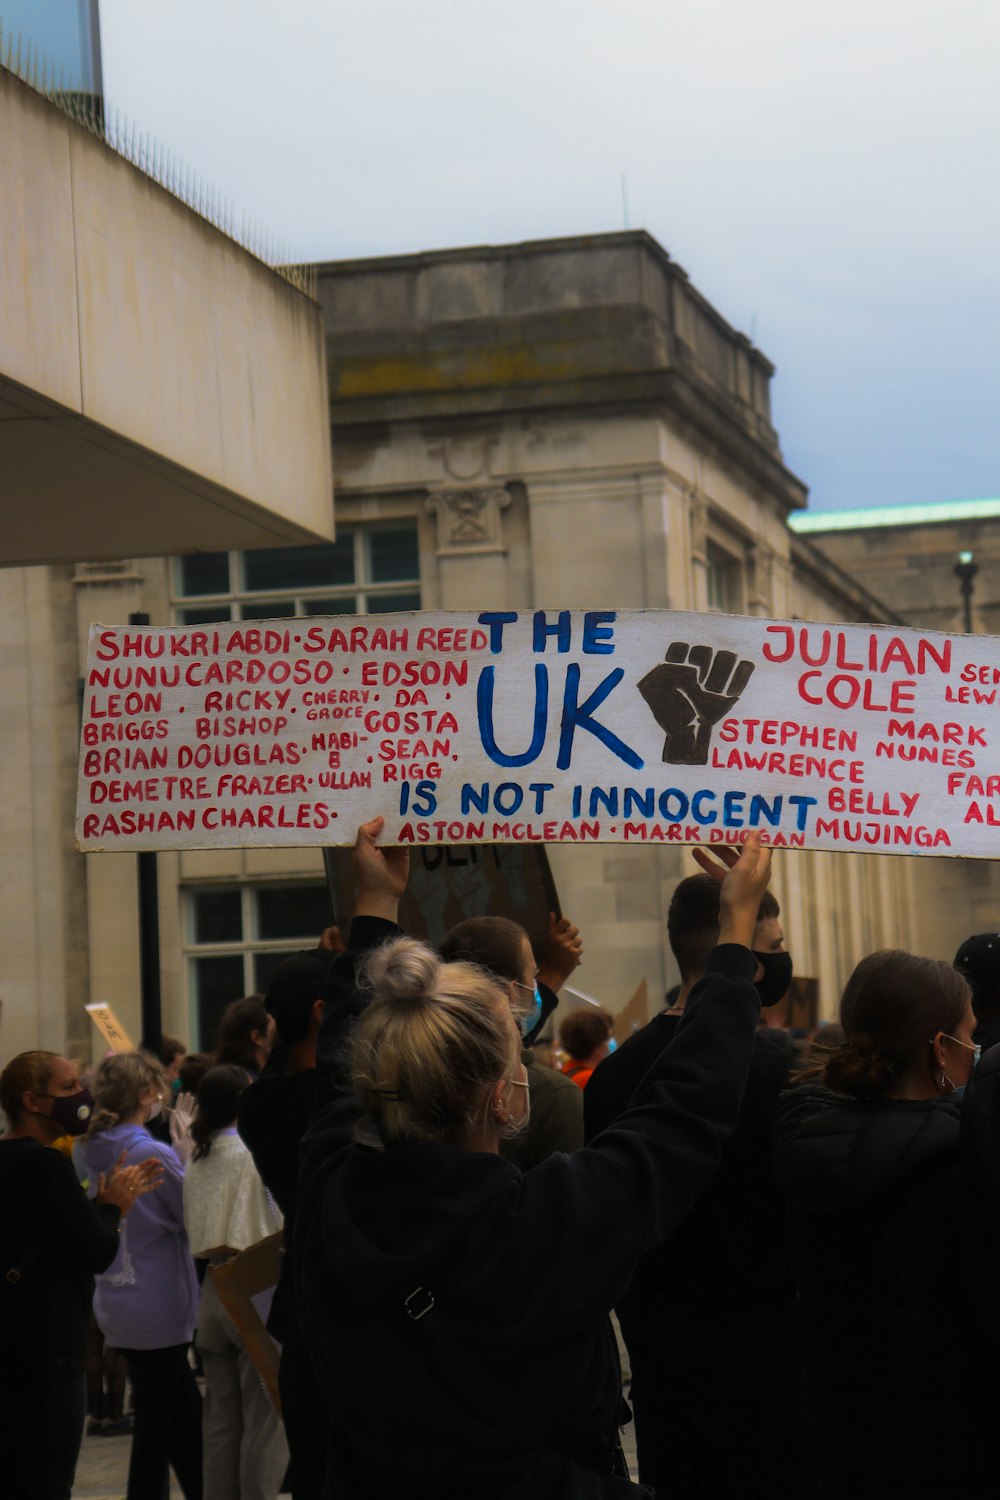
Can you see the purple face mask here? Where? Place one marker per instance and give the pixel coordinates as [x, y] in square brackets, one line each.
[71, 1111]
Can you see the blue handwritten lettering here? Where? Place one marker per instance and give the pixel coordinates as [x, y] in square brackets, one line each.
[496, 619]
[595, 635]
[696, 807]
[542, 630]
[576, 714]
[803, 804]
[484, 708]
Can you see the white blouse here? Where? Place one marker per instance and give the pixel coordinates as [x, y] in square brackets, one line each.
[225, 1202]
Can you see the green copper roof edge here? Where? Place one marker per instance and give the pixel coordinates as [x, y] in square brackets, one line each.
[894, 515]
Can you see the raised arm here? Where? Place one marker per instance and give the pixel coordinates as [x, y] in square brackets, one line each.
[561, 954]
[628, 1190]
[381, 875]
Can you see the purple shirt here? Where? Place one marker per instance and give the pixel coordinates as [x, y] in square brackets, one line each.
[148, 1296]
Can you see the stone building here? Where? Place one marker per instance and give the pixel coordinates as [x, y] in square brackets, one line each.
[908, 556]
[559, 423]
[555, 424]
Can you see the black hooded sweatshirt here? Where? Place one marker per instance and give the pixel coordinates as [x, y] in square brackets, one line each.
[508, 1383]
[892, 1339]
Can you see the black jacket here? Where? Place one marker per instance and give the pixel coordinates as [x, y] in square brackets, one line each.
[709, 1317]
[275, 1112]
[509, 1384]
[58, 1239]
[731, 1244]
[878, 1199]
[981, 1145]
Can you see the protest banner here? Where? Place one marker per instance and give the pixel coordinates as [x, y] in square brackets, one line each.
[110, 1027]
[509, 726]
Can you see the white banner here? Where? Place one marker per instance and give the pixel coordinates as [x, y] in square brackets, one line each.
[556, 726]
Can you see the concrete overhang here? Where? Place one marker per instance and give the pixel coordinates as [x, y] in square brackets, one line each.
[161, 389]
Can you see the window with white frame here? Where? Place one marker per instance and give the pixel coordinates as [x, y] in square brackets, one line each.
[724, 579]
[237, 935]
[367, 570]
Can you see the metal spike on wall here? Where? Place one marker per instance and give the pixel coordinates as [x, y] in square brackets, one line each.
[92, 113]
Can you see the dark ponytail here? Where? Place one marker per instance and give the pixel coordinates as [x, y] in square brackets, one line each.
[217, 1105]
[893, 1006]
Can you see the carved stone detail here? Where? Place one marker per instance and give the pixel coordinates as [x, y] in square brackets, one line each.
[105, 574]
[466, 458]
[468, 519]
[761, 580]
[698, 524]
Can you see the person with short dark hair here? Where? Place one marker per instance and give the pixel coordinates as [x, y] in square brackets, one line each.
[502, 947]
[246, 1035]
[192, 1070]
[868, 1152]
[709, 1317]
[277, 1107]
[978, 959]
[172, 1052]
[585, 1037]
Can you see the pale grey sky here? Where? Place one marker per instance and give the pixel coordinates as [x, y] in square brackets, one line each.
[826, 171]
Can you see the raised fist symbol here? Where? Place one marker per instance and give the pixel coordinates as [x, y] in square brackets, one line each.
[688, 693]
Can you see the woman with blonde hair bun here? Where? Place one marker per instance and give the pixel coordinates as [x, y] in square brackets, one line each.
[147, 1299]
[430, 1034]
[457, 1311]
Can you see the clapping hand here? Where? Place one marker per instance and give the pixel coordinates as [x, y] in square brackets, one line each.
[123, 1185]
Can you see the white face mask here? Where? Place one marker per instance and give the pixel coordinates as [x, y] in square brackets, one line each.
[520, 1123]
[155, 1109]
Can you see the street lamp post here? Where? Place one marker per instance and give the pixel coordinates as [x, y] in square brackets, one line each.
[965, 572]
[149, 935]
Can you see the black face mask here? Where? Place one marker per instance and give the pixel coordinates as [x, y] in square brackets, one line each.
[776, 980]
[71, 1111]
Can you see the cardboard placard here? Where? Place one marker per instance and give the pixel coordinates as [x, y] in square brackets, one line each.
[633, 1016]
[239, 1282]
[110, 1027]
[541, 727]
[451, 883]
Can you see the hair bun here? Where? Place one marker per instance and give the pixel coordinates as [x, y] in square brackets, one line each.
[403, 972]
[858, 1067]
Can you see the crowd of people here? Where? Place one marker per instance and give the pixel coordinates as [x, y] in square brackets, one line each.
[798, 1240]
